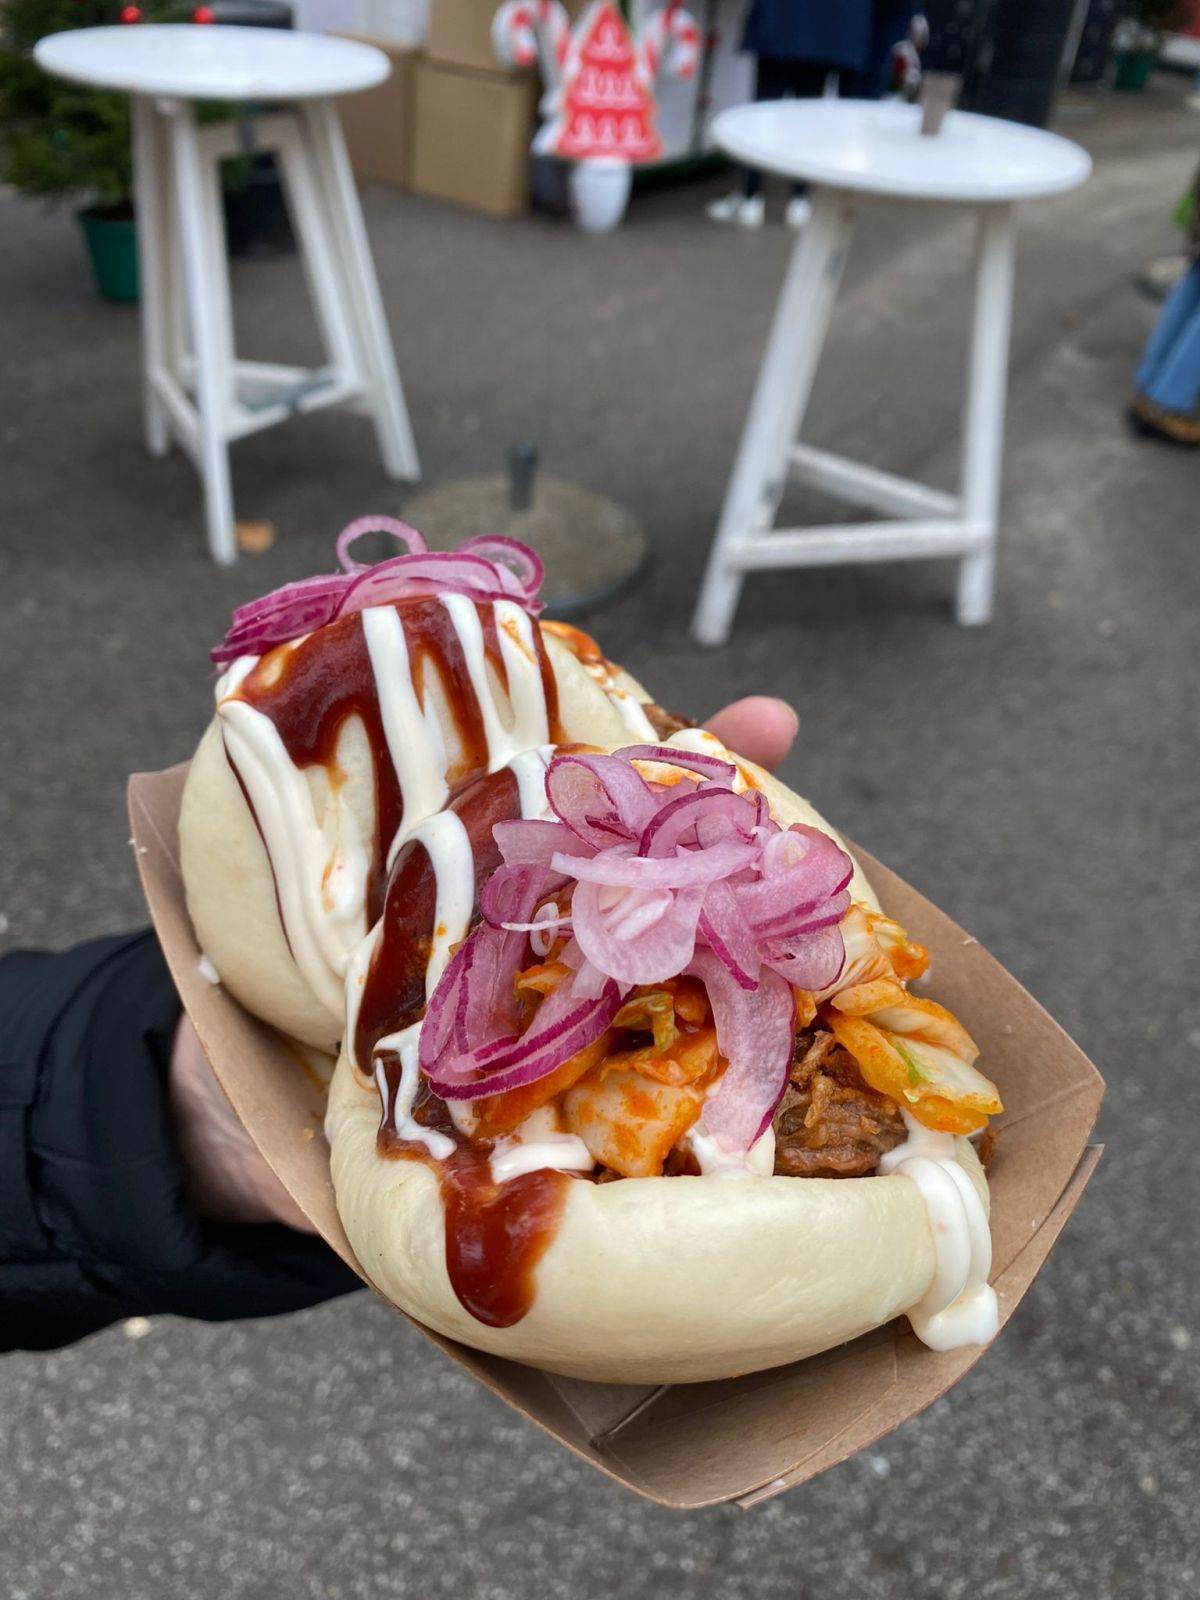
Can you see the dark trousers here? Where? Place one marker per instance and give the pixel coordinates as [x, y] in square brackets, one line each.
[777, 78]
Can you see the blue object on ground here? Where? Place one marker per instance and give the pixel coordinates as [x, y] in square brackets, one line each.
[1169, 373]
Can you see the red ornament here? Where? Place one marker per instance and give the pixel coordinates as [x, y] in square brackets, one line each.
[204, 14]
[131, 14]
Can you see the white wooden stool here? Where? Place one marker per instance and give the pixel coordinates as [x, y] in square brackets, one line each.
[849, 151]
[196, 391]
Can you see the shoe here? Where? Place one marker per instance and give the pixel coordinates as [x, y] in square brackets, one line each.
[1153, 421]
[744, 210]
[798, 212]
[1157, 278]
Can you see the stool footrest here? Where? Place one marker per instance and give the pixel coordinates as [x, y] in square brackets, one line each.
[856, 541]
[869, 486]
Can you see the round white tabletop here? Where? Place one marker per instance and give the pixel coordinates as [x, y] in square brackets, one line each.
[876, 147]
[209, 62]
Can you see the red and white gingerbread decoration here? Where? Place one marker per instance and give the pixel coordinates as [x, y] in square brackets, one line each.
[600, 78]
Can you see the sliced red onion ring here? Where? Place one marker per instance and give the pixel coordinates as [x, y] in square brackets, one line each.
[813, 962]
[509, 555]
[652, 883]
[531, 842]
[647, 951]
[620, 869]
[754, 1034]
[718, 812]
[724, 930]
[413, 541]
[485, 569]
[711, 767]
[599, 797]
[563, 1026]
[287, 613]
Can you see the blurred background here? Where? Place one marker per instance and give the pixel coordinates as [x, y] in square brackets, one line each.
[1036, 776]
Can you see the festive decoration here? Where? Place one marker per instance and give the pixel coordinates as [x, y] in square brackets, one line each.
[904, 66]
[59, 138]
[606, 107]
[598, 109]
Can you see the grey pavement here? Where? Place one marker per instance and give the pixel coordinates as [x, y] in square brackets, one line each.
[1037, 778]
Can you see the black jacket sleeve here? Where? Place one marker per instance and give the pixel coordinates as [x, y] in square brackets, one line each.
[94, 1225]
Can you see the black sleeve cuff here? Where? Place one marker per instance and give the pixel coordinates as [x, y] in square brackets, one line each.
[94, 1225]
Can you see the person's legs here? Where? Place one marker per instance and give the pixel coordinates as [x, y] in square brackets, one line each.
[805, 80]
[771, 80]
[1174, 381]
[1179, 308]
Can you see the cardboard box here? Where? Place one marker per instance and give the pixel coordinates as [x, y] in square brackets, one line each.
[460, 34]
[378, 122]
[744, 1439]
[471, 136]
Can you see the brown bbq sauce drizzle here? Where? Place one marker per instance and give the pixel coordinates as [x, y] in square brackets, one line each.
[496, 1233]
[328, 677]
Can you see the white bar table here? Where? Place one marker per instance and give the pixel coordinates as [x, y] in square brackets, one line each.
[852, 151]
[196, 391]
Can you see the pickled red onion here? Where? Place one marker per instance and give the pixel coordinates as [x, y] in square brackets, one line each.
[650, 883]
[486, 568]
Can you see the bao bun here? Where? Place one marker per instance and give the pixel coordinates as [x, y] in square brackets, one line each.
[655, 1280]
[227, 873]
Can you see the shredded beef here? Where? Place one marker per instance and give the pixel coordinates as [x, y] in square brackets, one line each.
[829, 1123]
[665, 723]
[985, 1147]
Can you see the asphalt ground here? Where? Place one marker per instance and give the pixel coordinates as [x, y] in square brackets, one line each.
[1037, 778]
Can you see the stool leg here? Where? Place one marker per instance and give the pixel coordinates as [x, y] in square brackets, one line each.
[208, 296]
[392, 427]
[151, 196]
[776, 413]
[318, 251]
[983, 439]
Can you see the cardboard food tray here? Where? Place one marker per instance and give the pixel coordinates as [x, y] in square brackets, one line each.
[744, 1439]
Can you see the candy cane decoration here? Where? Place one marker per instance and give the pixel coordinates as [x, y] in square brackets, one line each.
[525, 31]
[670, 42]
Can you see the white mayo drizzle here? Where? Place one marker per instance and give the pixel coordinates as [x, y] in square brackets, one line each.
[414, 740]
[536, 1143]
[757, 1162]
[320, 871]
[405, 1044]
[960, 1305]
[527, 696]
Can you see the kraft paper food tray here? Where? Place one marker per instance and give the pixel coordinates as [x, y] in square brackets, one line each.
[743, 1439]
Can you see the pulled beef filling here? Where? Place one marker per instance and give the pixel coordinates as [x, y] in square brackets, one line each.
[665, 723]
[829, 1123]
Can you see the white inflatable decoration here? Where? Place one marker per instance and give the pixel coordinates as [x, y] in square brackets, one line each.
[598, 109]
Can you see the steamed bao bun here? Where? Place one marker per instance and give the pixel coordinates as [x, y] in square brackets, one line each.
[656, 1280]
[227, 873]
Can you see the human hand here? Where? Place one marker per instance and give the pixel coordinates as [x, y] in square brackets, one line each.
[227, 1178]
[760, 728]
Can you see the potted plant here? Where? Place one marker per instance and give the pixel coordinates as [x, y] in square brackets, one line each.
[62, 140]
[1138, 39]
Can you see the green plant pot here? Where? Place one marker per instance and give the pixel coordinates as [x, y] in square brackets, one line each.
[112, 244]
[1133, 69]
